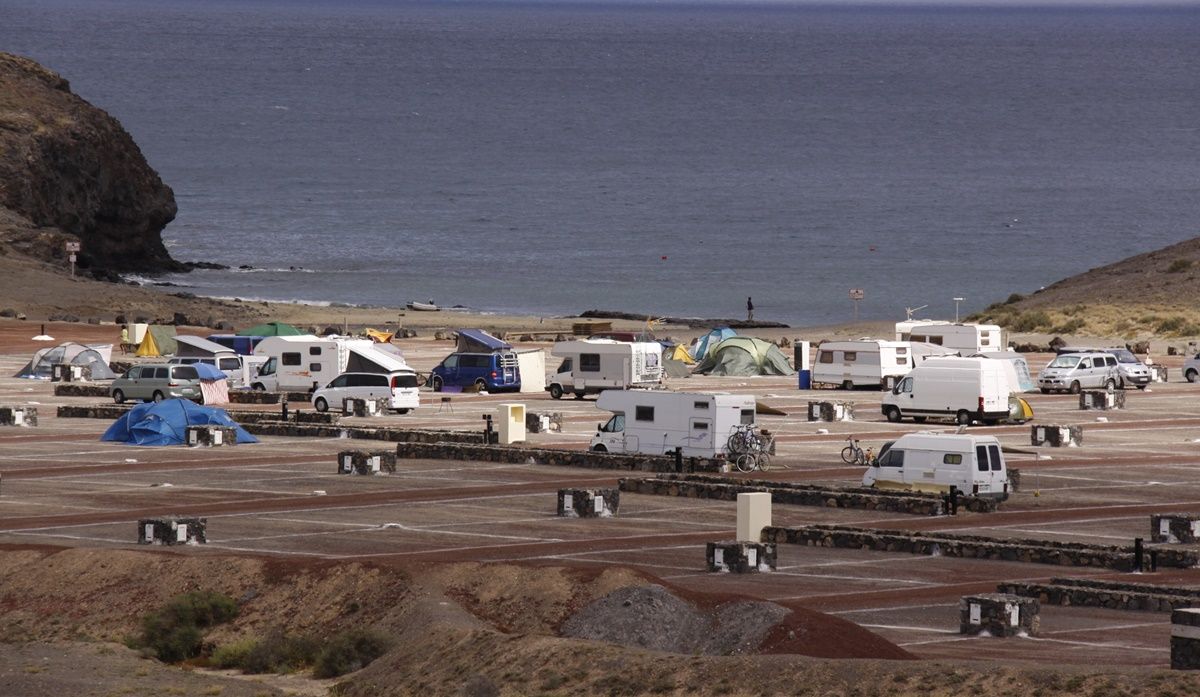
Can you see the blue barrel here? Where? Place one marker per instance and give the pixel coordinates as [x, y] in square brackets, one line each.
[806, 379]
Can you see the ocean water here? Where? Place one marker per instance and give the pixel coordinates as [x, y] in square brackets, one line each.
[668, 158]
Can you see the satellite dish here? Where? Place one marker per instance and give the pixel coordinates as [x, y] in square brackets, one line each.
[910, 310]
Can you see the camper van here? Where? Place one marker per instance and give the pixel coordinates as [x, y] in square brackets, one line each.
[964, 338]
[304, 363]
[595, 365]
[934, 462]
[874, 363]
[963, 389]
[656, 422]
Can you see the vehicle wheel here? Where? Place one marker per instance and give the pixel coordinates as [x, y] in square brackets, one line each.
[481, 385]
[919, 419]
[1190, 375]
[1075, 387]
[848, 385]
[258, 387]
[745, 463]
[1045, 390]
[599, 448]
[118, 396]
[1141, 387]
[893, 415]
[1121, 384]
[963, 417]
[848, 455]
[436, 381]
[402, 411]
[556, 392]
[579, 395]
[764, 462]
[321, 404]
[158, 396]
[1111, 384]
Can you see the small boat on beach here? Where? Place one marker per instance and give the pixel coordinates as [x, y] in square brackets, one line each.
[423, 307]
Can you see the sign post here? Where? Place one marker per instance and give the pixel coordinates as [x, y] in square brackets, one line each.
[71, 249]
[956, 302]
[857, 294]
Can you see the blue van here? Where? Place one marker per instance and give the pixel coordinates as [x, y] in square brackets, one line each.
[493, 372]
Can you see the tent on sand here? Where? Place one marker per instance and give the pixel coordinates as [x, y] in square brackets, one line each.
[166, 422]
[158, 341]
[745, 355]
[715, 336]
[271, 329]
[43, 361]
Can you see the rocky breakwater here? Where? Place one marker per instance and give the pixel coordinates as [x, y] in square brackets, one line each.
[70, 172]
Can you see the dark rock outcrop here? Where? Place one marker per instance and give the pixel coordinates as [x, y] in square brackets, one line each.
[69, 171]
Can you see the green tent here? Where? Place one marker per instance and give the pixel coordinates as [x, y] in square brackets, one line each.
[271, 329]
[744, 355]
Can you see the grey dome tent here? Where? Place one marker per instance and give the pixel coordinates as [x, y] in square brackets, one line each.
[43, 362]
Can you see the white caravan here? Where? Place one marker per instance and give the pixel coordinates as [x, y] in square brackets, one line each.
[304, 363]
[595, 365]
[875, 363]
[963, 389]
[656, 422]
[934, 462]
[965, 338]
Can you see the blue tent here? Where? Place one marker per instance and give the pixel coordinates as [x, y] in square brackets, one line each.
[166, 422]
[712, 338]
[208, 372]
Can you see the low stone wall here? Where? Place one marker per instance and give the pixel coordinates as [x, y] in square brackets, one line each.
[1185, 639]
[18, 416]
[366, 462]
[727, 489]
[831, 411]
[1056, 436]
[588, 503]
[92, 411]
[741, 557]
[975, 547]
[172, 531]
[210, 435]
[79, 389]
[1101, 399]
[1175, 528]
[548, 456]
[324, 418]
[259, 397]
[1138, 597]
[998, 614]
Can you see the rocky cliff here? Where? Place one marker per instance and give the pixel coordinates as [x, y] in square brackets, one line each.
[69, 171]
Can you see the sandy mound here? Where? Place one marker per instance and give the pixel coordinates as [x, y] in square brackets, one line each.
[651, 617]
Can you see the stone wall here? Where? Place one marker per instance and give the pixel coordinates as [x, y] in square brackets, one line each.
[1175, 528]
[588, 503]
[1056, 436]
[727, 489]
[18, 416]
[1139, 597]
[548, 456]
[76, 389]
[998, 614]
[975, 547]
[1185, 639]
[259, 397]
[93, 411]
[1101, 399]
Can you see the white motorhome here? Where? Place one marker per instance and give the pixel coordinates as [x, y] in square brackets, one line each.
[963, 389]
[656, 422]
[964, 338]
[595, 365]
[875, 363]
[304, 363]
[934, 462]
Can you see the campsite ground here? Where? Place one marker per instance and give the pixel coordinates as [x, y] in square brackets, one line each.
[479, 543]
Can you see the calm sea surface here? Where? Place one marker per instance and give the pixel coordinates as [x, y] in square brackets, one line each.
[667, 158]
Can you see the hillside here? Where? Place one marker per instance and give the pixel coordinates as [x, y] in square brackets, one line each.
[1156, 294]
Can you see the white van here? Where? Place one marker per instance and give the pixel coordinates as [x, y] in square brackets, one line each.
[962, 337]
[398, 387]
[595, 365]
[934, 462]
[656, 422]
[305, 363]
[963, 389]
[1072, 372]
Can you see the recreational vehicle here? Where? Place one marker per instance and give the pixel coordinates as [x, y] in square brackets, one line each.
[963, 389]
[304, 363]
[874, 363]
[656, 422]
[965, 338]
[935, 462]
[595, 365]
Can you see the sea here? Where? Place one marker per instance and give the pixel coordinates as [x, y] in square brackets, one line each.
[667, 158]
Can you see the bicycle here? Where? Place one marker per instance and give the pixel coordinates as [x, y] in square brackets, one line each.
[748, 462]
[743, 440]
[853, 454]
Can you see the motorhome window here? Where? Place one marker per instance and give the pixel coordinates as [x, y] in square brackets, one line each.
[747, 417]
[994, 451]
[1064, 362]
[981, 457]
[700, 405]
[267, 368]
[850, 356]
[893, 458]
[291, 359]
[901, 351]
[918, 338]
[700, 425]
[314, 367]
[952, 459]
[985, 339]
[229, 364]
[643, 413]
[589, 362]
[615, 425]
[825, 357]
[565, 366]
[935, 340]
[314, 350]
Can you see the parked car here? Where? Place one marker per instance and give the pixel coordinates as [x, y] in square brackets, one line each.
[156, 382]
[230, 364]
[399, 387]
[1191, 368]
[1072, 372]
[1130, 370]
[493, 372]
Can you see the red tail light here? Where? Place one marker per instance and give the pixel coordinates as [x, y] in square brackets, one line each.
[172, 384]
[981, 405]
[394, 385]
[493, 373]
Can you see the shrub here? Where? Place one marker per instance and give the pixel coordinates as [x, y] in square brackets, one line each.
[278, 652]
[173, 632]
[1170, 325]
[1014, 298]
[1069, 327]
[350, 651]
[1029, 321]
[1179, 266]
[234, 655]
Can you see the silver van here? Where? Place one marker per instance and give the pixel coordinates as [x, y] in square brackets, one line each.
[156, 382]
[1072, 372]
[1130, 369]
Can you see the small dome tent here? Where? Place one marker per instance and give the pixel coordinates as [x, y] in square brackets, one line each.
[166, 422]
[43, 362]
[744, 355]
[715, 336]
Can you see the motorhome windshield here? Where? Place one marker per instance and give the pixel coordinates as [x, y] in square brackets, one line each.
[614, 425]
[1064, 362]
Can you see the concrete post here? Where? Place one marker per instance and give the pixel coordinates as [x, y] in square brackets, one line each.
[753, 514]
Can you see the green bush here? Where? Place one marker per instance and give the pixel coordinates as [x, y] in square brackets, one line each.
[278, 652]
[1170, 325]
[173, 632]
[1029, 321]
[1179, 266]
[350, 651]
[1069, 327]
[234, 655]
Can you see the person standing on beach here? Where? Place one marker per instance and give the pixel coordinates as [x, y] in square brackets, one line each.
[125, 338]
[749, 310]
